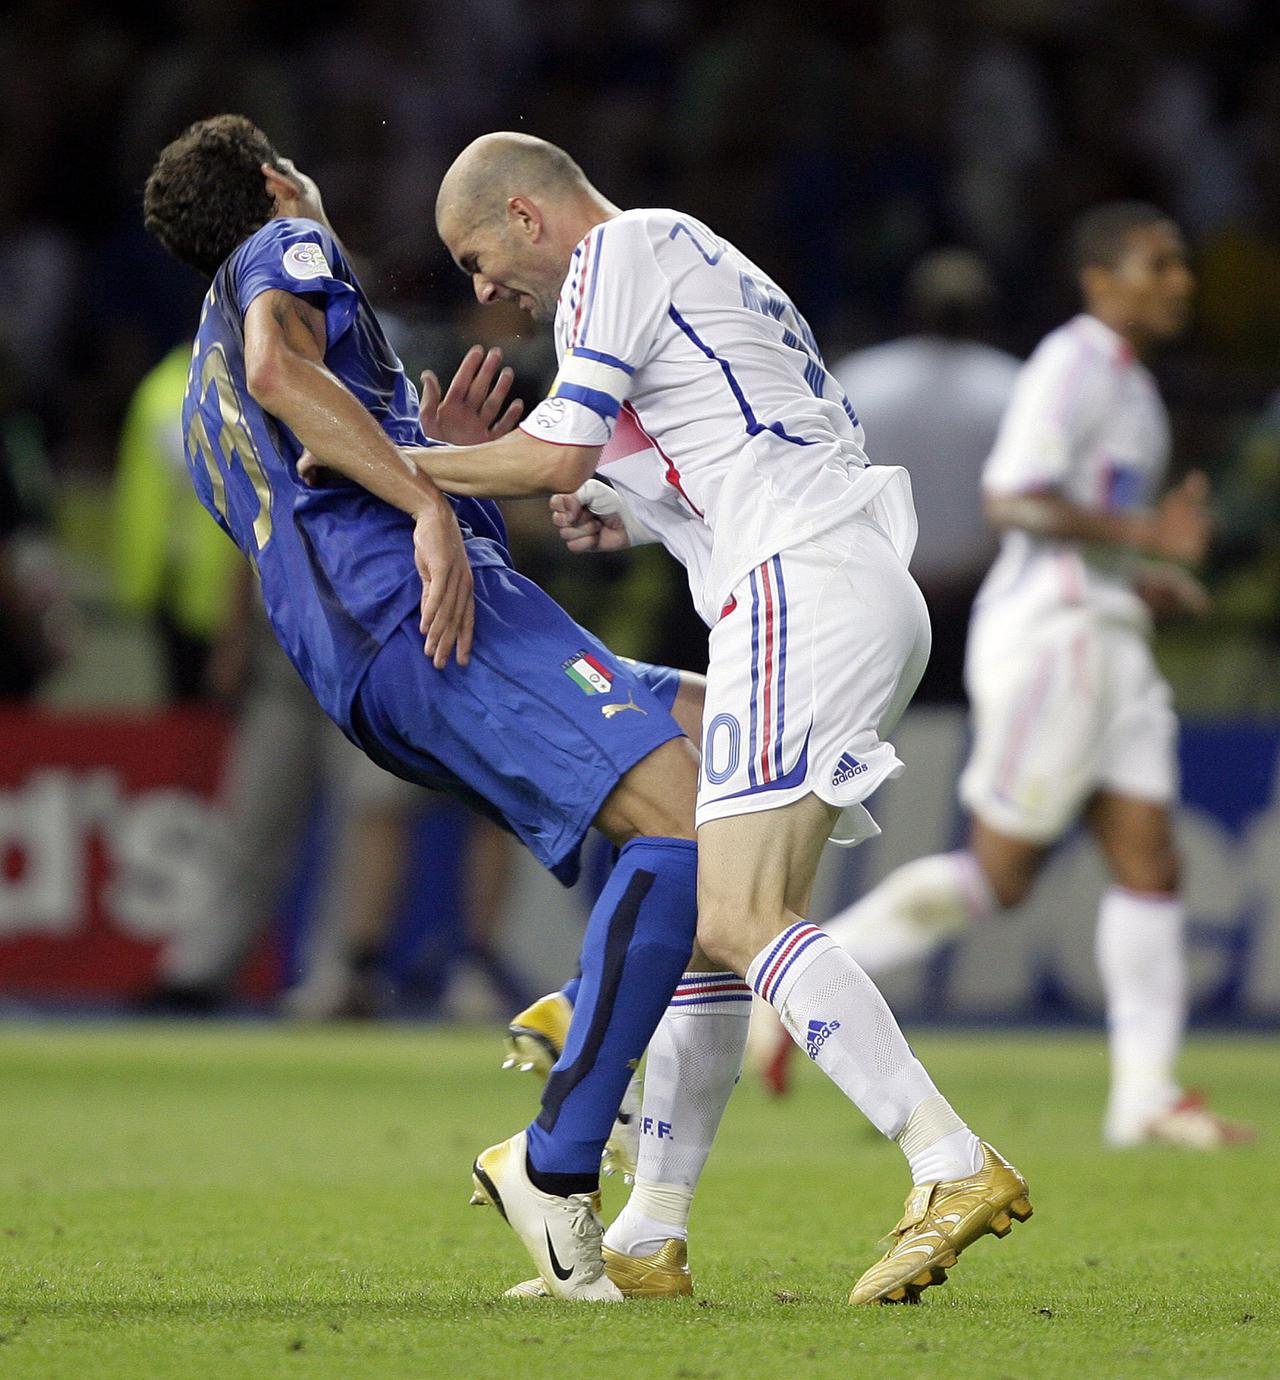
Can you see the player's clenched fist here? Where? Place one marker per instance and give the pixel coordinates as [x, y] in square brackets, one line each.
[594, 519]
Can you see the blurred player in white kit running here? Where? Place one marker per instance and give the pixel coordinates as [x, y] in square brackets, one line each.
[1071, 716]
[690, 380]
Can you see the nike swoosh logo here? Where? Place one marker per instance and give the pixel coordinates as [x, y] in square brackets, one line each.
[556, 1268]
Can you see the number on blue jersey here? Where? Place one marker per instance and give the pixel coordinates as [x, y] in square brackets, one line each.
[232, 443]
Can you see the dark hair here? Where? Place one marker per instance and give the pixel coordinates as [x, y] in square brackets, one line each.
[206, 194]
[1100, 236]
[949, 292]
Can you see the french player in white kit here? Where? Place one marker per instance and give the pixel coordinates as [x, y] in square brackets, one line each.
[1072, 719]
[688, 379]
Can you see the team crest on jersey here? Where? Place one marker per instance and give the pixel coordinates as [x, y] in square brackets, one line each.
[306, 260]
[588, 674]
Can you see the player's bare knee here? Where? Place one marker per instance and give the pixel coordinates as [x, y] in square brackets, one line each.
[1009, 874]
[721, 941]
[687, 709]
[1150, 871]
[656, 798]
[1009, 864]
[734, 923]
[622, 825]
[1010, 885]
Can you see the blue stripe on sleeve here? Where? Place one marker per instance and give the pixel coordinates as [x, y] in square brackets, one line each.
[581, 352]
[604, 404]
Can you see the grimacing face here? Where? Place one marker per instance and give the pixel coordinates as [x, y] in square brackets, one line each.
[1152, 284]
[504, 265]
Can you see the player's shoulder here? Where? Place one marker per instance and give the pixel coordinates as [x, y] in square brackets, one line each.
[1082, 341]
[1065, 338]
[304, 249]
[656, 225]
[659, 218]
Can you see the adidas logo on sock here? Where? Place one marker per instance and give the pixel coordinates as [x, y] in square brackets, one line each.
[846, 769]
[819, 1033]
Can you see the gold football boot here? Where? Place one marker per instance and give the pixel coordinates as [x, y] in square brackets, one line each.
[662, 1275]
[535, 1037]
[940, 1220]
[537, 1034]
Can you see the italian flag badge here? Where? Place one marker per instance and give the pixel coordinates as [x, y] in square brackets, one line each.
[588, 674]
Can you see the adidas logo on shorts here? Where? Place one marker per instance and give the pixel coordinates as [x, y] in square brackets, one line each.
[846, 769]
[819, 1033]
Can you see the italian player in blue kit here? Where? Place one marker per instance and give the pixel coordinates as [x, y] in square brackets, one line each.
[401, 611]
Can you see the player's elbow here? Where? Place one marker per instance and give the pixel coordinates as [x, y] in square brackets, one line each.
[264, 378]
[567, 468]
[1025, 510]
[995, 509]
[268, 376]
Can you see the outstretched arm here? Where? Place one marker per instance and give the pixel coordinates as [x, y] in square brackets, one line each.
[516, 466]
[1177, 529]
[287, 376]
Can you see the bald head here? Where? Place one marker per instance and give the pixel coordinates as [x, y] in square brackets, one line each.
[510, 210]
[494, 168]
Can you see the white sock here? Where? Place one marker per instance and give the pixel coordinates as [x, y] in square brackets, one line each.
[937, 1143]
[914, 911]
[1141, 960]
[834, 1012]
[691, 1068]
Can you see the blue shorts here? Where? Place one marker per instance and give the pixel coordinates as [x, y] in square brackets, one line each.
[535, 732]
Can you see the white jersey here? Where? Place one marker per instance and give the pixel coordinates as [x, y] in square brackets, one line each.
[721, 427]
[1086, 422]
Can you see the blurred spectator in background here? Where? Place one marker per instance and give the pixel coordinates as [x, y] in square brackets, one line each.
[932, 401]
[34, 612]
[172, 566]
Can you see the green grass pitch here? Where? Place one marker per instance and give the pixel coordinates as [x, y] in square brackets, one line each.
[257, 1201]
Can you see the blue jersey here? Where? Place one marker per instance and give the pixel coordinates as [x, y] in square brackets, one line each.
[335, 564]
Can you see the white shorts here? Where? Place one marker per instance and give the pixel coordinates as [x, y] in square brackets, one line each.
[1074, 706]
[815, 657]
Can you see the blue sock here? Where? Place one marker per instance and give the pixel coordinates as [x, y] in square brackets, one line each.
[635, 950]
[570, 990]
